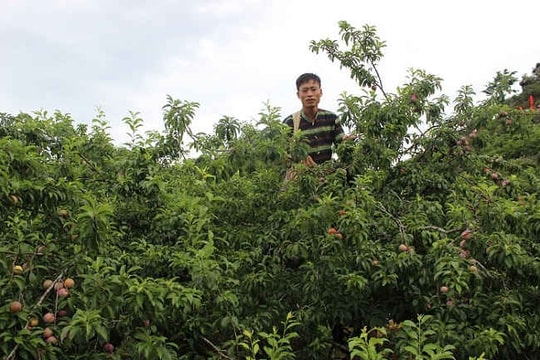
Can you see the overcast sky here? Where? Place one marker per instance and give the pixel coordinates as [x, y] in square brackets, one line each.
[231, 56]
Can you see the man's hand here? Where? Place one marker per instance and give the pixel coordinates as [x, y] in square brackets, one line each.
[309, 162]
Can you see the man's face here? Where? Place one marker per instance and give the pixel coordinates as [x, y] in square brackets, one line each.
[309, 94]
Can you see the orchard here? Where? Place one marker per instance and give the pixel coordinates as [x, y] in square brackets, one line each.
[420, 241]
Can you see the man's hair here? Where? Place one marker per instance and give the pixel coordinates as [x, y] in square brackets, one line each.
[305, 78]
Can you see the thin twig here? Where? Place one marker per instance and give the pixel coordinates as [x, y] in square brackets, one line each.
[432, 227]
[340, 346]
[220, 352]
[402, 228]
[91, 166]
[50, 288]
[380, 80]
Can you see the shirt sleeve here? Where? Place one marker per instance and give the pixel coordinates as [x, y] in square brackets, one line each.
[288, 121]
[338, 131]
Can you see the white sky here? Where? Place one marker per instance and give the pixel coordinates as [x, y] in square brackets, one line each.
[231, 56]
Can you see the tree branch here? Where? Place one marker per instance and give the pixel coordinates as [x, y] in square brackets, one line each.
[219, 351]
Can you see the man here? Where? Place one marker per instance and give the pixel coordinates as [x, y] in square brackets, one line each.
[320, 127]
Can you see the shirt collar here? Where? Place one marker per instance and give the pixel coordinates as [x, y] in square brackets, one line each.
[304, 116]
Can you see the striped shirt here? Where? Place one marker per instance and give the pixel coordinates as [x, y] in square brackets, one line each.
[324, 132]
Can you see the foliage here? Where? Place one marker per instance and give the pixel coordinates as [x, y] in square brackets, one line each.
[419, 241]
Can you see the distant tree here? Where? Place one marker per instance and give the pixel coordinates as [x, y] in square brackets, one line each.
[530, 86]
[500, 87]
[178, 116]
[227, 129]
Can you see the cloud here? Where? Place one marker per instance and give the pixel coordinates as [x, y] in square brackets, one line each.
[223, 9]
[231, 56]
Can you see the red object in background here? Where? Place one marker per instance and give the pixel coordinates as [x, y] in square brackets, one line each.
[531, 103]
